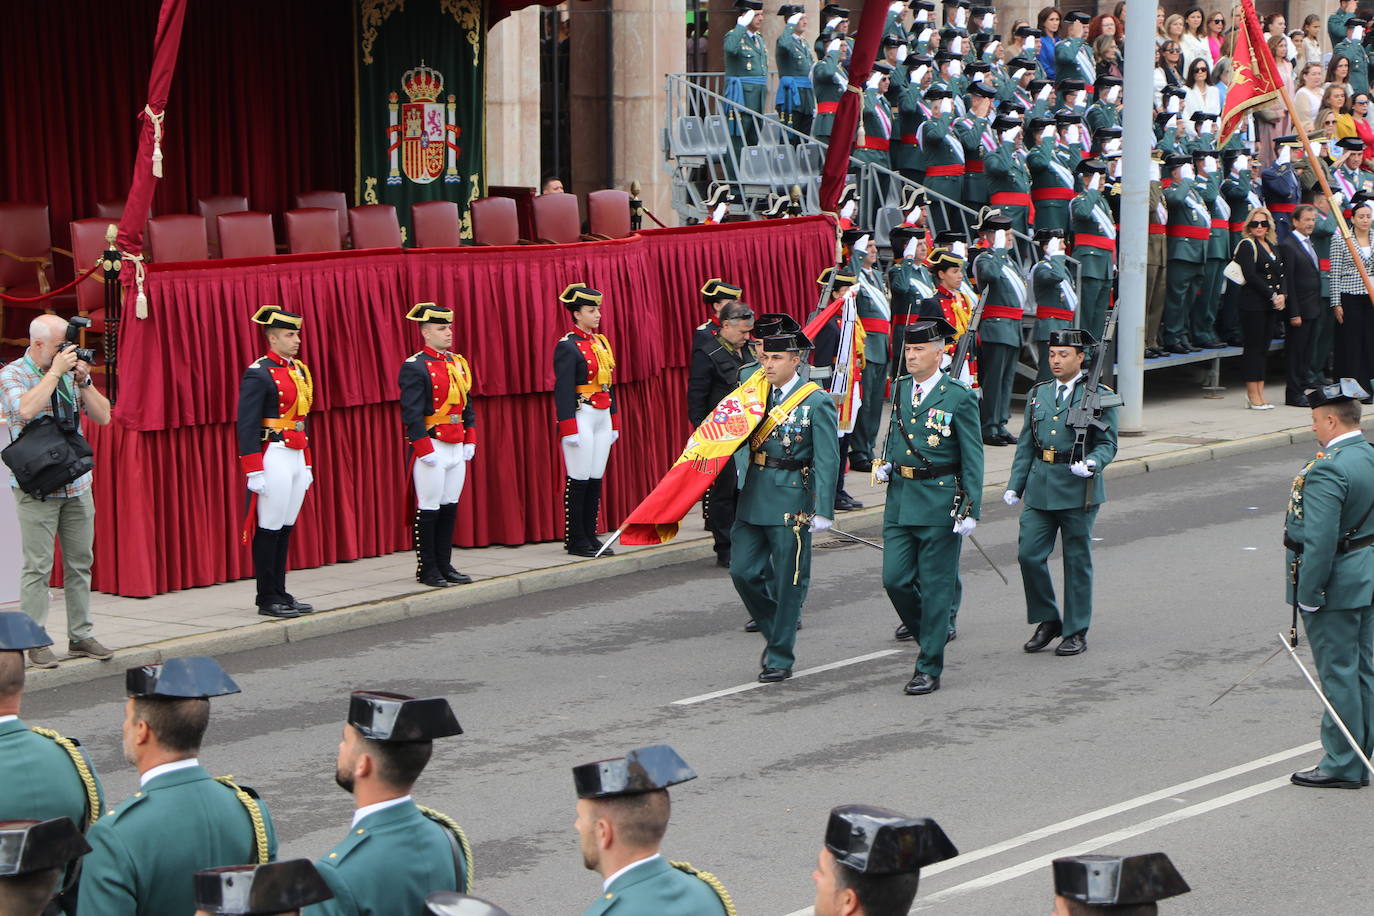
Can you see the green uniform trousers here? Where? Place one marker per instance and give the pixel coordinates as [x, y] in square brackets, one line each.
[1052, 214]
[996, 375]
[763, 561]
[874, 381]
[920, 574]
[1202, 318]
[1184, 279]
[1323, 336]
[1342, 643]
[1097, 295]
[1033, 547]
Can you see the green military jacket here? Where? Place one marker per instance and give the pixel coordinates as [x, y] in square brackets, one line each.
[1333, 498]
[144, 851]
[1156, 246]
[1052, 285]
[976, 135]
[1335, 26]
[661, 888]
[794, 55]
[39, 778]
[809, 434]
[828, 81]
[909, 282]
[1089, 214]
[1219, 242]
[877, 126]
[1007, 173]
[940, 146]
[389, 862]
[1188, 209]
[944, 430]
[1050, 174]
[1053, 487]
[1073, 60]
[997, 276]
[912, 111]
[1238, 190]
[1354, 52]
[871, 312]
[745, 53]
[1100, 115]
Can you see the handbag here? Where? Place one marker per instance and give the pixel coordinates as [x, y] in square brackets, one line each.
[1232, 270]
[49, 453]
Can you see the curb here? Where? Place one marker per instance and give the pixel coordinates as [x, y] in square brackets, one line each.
[425, 602]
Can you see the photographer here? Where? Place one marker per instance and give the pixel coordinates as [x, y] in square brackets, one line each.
[51, 367]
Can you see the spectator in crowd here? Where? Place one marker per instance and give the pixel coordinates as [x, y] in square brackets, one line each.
[1217, 41]
[1174, 28]
[1168, 69]
[1338, 71]
[1304, 302]
[1335, 99]
[1221, 78]
[1307, 99]
[1325, 123]
[1271, 119]
[1194, 38]
[47, 374]
[1048, 24]
[1107, 56]
[1356, 122]
[1258, 298]
[1276, 26]
[551, 185]
[1354, 344]
[1309, 43]
[1202, 92]
[1104, 24]
[1161, 35]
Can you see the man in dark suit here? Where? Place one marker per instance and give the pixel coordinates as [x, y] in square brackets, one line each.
[1303, 284]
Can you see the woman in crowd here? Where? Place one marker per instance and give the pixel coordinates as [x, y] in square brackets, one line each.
[1202, 94]
[1107, 56]
[1221, 78]
[1356, 123]
[1104, 24]
[1216, 36]
[1161, 36]
[1338, 71]
[1259, 298]
[1168, 70]
[1048, 24]
[1307, 99]
[1354, 345]
[1173, 31]
[1271, 119]
[1276, 26]
[1194, 38]
[1310, 42]
[1324, 124]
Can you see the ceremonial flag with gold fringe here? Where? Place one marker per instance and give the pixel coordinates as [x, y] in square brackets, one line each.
[1255, 78]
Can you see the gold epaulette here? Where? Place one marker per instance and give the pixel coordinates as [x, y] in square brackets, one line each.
[449, 824]
[261, 853]
[712, 882]
[83, 771]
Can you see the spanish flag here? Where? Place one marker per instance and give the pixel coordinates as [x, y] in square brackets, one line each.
[709, 450]
[1255, 78]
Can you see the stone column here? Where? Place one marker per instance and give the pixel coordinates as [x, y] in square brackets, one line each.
[513, 100]
[649, 41]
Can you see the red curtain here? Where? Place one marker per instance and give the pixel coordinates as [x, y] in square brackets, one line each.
[169, 494]
[836, 169]
[262, 103]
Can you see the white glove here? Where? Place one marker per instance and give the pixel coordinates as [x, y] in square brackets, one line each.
[1112, 94]
[964, 526]
[924, 37]
[956, 67]
[1083, 469]
[1044, 93]
[1173, 106]
[902, 53]
[821, 523]
[1242, 162]
[990, 50]
[431, 460]
[718, 215]
[574, 440]
[956, 46]
[946, 106]
[309, 476]
[919, 73]
[882, 472]
[896, 8]
[922, 16]
[1185, 172]
[469, 449]
[1308, 610]
[988, 20]
[1209, 164]
[1337, 199]
[257, 481]
[745, 19]
[615, 436]
[1010, 498]
[1095, 182]
[833, 23]
[1010, 134]
[834, 46]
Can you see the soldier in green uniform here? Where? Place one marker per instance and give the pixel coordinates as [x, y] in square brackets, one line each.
[746, 71]
[281, 888]
[622, 816]
[1015, 87]
[1353, 50]
[912, 111]
[910, 282]
[42, 774]
[1056, 300]
[871, 861]
[1051, 172]
[1009, 182]
[1190, 228]
[34, 855]
[788, 474]
[922, 28]
[795, 101]
[1094, 246]
[1041, 92]
[1329, 536]
[997, 276]
[829, 77]
[874, 142]
[1062, 490]
[1073, 58]
[1156, 262]
[144, 851]
[834, 26]
[873, 304]
[942, 157]
[1105, 111]
[1103, 885]
[975, 133]
[933, 465]
[1202, 319]
[1335, 23]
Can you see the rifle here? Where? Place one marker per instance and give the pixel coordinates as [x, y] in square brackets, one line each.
[1089, 413]
[956, 365]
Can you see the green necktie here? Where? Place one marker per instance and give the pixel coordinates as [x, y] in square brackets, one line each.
[1059, 396]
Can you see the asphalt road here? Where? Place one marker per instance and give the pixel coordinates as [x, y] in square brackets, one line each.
[1019, 757]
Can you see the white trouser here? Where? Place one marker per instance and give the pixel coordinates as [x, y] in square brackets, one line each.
[587, 459]
[443, 483]
[285, 484]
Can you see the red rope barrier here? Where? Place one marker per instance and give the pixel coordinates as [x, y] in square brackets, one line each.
[54, 292]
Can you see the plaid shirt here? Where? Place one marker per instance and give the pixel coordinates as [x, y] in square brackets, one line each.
[17, 378]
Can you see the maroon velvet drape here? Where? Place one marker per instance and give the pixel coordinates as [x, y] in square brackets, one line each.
[169, 493]
[836, 168]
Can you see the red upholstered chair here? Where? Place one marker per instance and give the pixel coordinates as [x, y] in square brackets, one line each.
[177, 237]
[26, 243]
[494, 221]
[88, 244]
[312, 229]
[246, 235]
[374, 226]
[436, 224]
[556, 218]
[333, 200]
[524, 204]
[608, 214]
[210, 207]
[114, 209]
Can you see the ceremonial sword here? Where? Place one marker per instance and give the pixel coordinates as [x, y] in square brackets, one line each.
[852, 537]
[1286, 644]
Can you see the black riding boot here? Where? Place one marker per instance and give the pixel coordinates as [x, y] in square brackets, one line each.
[283, 545]
[591, 509]
[426, 572]
[443, 545]
[574, 528]
[265, 551]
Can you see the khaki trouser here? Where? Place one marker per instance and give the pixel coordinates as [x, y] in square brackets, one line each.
[1156, 275]
[70, 520]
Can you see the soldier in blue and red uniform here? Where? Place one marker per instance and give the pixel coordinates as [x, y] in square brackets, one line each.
[583, 366]
[441, 426]
[274, 451]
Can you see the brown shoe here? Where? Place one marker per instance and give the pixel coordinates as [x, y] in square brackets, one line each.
[42, 658]
[89, 647]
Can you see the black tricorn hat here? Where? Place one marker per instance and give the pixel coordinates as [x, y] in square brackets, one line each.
[898, 237]
[772, 323]
[1346, 389]
[1099, 880]
[33, 846]
[717, 290]
[892, 41]
[788, 10]
[1105, 82]
[796, 342]
[452, 903]
[991, 219]
[1035, 125]
[831, 10]
[1045, 234]
[936, 91]
[875, 841]
[1077, 16]
[195, 677]
[844, 276]
[395, 717]
[1071, 337]
[852, 237]
[1095, 166]
[913, 196]
[1175, 160]
[1035, 85]
[274, 316]
[1066, 116]
[19, 632]
[644, 769]
[1107, 132]
[1350, 143]
[1003, 122]
[982, 88]
[1175, 91]
[924, 332]
[1025, 31]
[430, 313]
[949, 237]
[578, 295]
[259, 890]
[754, 5]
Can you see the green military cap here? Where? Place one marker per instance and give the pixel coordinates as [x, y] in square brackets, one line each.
[577, 295]
[717, 290]
[27, 847]
[429, 313]
[274, 316]
[19, 632]
[644, 769]
[260, 890]
[1099, 880]
[876, 841]
[452, 903]
[191, 678]
[396, 717]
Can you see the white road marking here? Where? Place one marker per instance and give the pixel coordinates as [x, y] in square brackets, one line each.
[729, 691]
[1109, 811]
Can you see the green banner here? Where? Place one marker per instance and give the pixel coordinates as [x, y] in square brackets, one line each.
[420, 104]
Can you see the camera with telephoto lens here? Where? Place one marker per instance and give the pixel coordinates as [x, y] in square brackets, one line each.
[74, 328]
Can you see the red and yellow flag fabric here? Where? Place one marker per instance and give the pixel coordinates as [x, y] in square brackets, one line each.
[1255, 78]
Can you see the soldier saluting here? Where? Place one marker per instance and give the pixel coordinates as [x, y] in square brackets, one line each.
[436, 408]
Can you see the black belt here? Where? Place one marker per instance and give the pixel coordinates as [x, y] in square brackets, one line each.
[1050, 456]
[1343, 546]
[928, 472]
[785, 464]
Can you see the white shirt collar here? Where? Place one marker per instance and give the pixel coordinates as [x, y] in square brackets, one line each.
[365, 810]
[1343, 436]
[1300, 235]
[164, 768]
[4, 719]
[787, 387]
[928, 383]
[1069, 384]
[606, 885]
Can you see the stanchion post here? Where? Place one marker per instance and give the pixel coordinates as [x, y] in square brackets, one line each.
[111, 263]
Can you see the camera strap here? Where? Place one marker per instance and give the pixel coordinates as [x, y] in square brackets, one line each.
[63, 389]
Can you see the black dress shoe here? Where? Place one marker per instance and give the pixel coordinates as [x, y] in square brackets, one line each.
[1177, 348]
[773, 675]
[844, 502]
[921, 684]
[952, 634]
[751, 626]
[993, 440]
[903, 633]
[1008, 438]
[723, 560]
[1317, 778]
[434, 580]
[300, 607]
[583, 551]
[1043, 635]
[282, 611]
[456, 577]
[860, 467]
[1072, 645]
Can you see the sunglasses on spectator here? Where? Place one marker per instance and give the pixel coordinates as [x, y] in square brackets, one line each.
[1261, 223]
[1362, 101]
[1171, 50]
[1218, 21]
